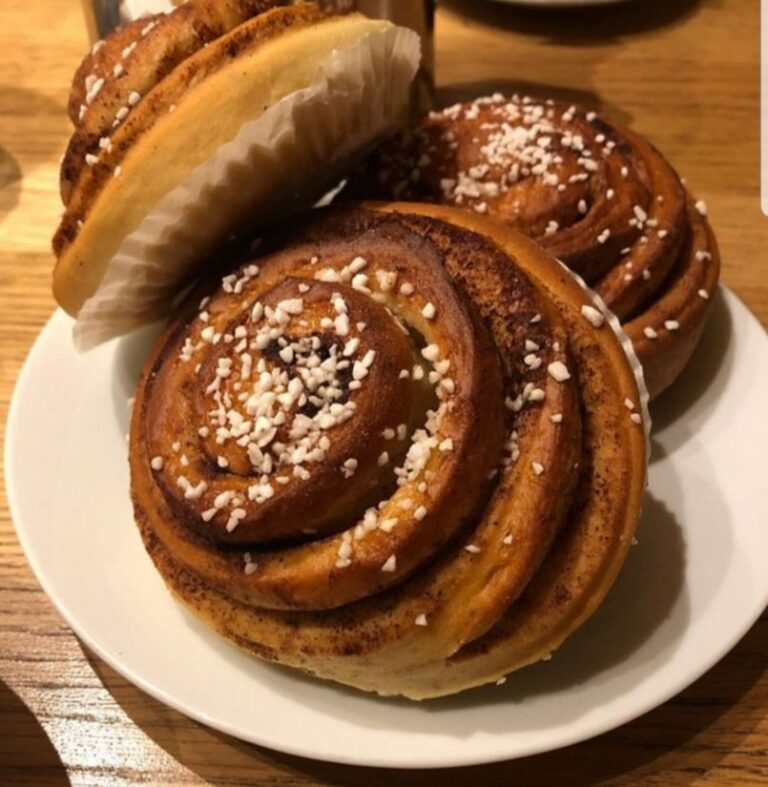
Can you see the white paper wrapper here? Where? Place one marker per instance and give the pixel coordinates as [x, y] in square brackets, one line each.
[131, 10]
[629, 351]
[280, 162]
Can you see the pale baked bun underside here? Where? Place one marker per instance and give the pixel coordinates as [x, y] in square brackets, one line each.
[315, 92]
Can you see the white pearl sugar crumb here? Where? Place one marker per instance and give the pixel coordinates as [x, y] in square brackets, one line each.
[558, 371]
[431, 352]
[421, 620]
[594, 316]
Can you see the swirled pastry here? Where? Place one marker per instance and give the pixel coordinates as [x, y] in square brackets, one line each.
[597, 196]
[191, 124]
[119, 71]
[398, 448]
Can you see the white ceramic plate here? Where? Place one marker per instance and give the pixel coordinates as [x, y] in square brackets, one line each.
[560, 3]
[690, 589]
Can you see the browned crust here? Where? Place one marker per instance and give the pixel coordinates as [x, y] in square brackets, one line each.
[372, 643]
[168, 92]
[144, 52]
[631, 282]
[684, 301]
[589, 552]
[100, 61]
[651, 263]
[293, 577]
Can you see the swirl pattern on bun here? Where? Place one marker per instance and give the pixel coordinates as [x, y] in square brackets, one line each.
[597, 196]
[396, 448]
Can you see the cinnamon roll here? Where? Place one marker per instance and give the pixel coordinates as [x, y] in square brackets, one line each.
[398, 447]
[597, 196]
[118, 72]
[191, 124]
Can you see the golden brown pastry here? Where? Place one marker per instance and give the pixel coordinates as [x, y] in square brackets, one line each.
[119, 71]
[397, 447]
[190, 124]
[597, 196]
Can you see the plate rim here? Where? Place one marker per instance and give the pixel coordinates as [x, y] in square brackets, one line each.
[559, 4]
[490, 754]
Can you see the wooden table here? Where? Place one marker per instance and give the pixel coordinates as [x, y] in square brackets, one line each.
[684, 72]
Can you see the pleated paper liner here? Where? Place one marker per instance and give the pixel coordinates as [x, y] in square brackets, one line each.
[279, 162]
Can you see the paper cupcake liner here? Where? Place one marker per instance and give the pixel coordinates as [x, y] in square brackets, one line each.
[278, 163]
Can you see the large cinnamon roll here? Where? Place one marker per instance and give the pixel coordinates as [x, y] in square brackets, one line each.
[396, 447]
[599, 197]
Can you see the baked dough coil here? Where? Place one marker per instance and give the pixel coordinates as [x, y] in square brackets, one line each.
[597, 196]
[121, 70]
[398, 447]
[213, 126]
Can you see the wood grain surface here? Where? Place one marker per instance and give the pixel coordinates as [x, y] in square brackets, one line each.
[684, 72]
